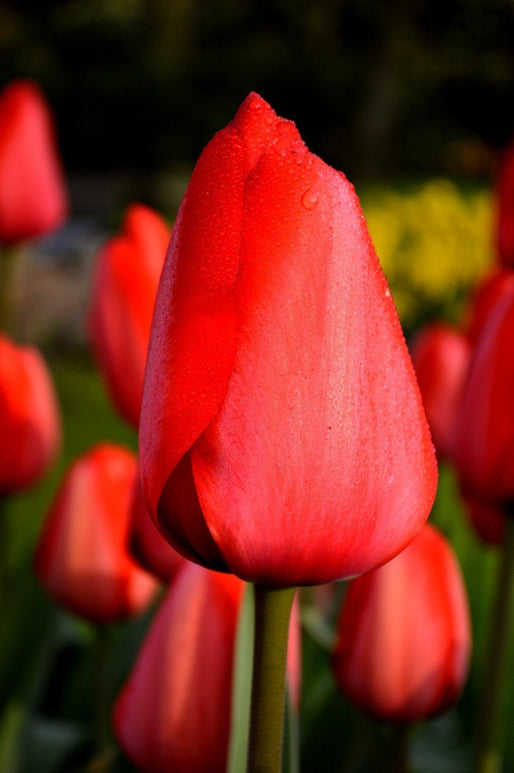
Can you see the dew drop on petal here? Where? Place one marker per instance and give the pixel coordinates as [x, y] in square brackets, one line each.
[310, 198]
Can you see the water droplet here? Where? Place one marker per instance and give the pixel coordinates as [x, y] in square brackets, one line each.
[310, 198]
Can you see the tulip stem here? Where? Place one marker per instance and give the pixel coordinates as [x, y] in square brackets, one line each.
[489, 757]
[101, 685]
[272, 613]
[400, 738]
[6, 283]
[4, 552]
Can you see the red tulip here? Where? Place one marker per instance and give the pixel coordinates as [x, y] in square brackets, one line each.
[485, 432]
[174, 711]
[29, 417]
[441, 356]
[487, 519]
[505, 207]
[33, 198]
[125, 282]
[484, 300]
[404, 637]
[147, 545]
[282, 433]
[82, 558]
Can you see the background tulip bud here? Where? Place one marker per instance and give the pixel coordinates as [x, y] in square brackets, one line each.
[125, 280]
[440, 355]
[174, 711]
[484, 299]
[82, 558]
[279, 399]
[505, 207]
[29, 417]
[146, 544]
[33, 198]
[484, 449]
[403, 643]
[487, 519]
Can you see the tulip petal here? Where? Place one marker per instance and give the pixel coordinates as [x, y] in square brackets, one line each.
[188, 371]
[319, 463]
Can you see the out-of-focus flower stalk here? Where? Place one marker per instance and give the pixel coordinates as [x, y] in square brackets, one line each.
[489, 757]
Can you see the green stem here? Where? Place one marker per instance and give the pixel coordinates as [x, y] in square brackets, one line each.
[272, 613]
[102, 688]
[7, 263]
[4, 549]
[400, 747]
[489, 757]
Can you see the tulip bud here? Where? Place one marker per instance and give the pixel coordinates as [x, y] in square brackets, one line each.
[33, 198]
[125, 280]
[174, 712]
[484, 299]
[29, 417]
[484, 448]
[403, 643]
[487, 519]
[440, 355]
[505, 207]
[82, 558]
[282, 433]
[146, 544]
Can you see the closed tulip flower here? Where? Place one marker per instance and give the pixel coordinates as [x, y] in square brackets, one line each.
[29, 417]
[487, 519]
[33, 197]
[485, 431]
[125, 280]
[147, 545]
[484, 299]
[403, 643]
[505, 207]
[441, 356]
[280, 404]
[174, 710]
[82, 558]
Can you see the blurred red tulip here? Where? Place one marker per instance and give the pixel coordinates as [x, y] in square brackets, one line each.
[125, 280]
[484, 448]
[484, 299]
[404, 638]
[174, 710]
[441, 355]
[33, 198]
[29, 417]
[505, 207]
[487, 519]
[82, 558]
[147, 545]
[280, 405]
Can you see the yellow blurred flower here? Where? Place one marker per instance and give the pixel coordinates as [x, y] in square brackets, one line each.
[434, 242]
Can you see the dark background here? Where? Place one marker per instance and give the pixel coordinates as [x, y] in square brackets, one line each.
[406, 87]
